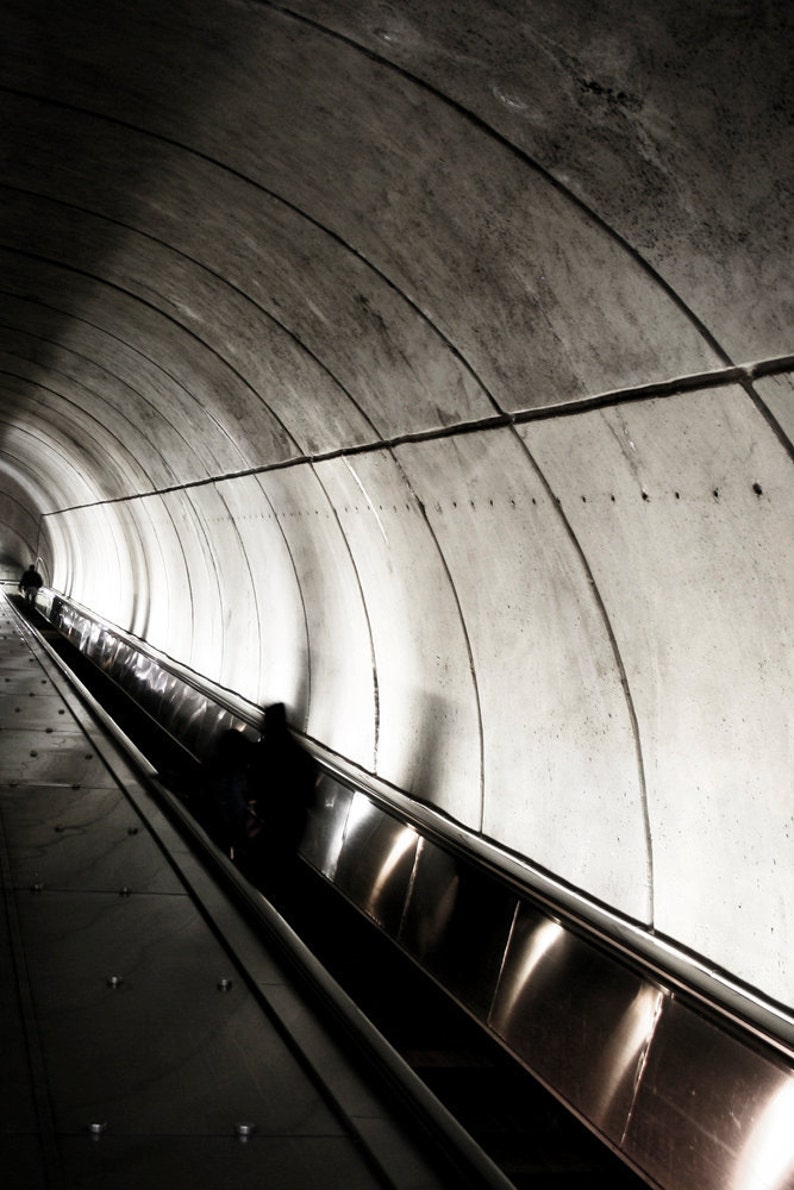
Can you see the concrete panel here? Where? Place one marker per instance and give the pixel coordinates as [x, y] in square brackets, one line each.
[92, 436]
[198, 601]
[777, 393]
[132, 385]
[670, 121]
[342, 697]
[271, 367]
[559, 749]
[266, 648]
[500, 259]
[159, 586]
[429, 739]
[101, 576]
[284, 258]
[61, 480]
[84, 382]
[168, 366]
[687, 521]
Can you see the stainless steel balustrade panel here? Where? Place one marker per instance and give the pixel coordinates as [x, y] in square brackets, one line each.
[578, 1019]
[92, 635]
[189, 708]
[121, 665]
[141, 675]
[456, 925]
[375, 862]
[104, 650]
[150, 695]
[712, 1112]
[216, 720]
[170, 701]
[325, 829]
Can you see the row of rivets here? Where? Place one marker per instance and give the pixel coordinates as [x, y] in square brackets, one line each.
[243, 1130]
[39, 886]
[115, 981]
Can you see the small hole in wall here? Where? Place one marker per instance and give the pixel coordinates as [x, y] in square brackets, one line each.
[759, 491]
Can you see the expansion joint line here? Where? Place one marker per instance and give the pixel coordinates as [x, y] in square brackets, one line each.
[743, 375]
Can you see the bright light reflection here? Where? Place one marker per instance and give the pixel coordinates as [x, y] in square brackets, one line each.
[359, 813]
[372, 507]
[767, 1160]
[622, 1054]
[544, 939]
[402, 844]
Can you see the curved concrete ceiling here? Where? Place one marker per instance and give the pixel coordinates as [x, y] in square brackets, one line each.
[429, 369]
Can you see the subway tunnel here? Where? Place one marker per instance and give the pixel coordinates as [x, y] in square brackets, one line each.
[428, 369]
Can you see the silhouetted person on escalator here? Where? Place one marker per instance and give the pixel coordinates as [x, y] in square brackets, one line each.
[283, 776]
[226, 792]
[29, 584]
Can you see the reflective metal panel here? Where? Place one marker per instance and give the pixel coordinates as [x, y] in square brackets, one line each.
[150, 694]
[105, 649]
[138, 1034]
[121, 663]
[186, 720]
[375, 863]
[141, 675]
[93, 634]
[456, 924]
[325, 827]
[170, 700]
[68, 838]
[712, 1112]
[579, 1019]
[215, 721]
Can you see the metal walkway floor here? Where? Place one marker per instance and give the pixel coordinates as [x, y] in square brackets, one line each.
[149, 1037]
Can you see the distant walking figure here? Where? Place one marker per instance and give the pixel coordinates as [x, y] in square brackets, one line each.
[29, 584]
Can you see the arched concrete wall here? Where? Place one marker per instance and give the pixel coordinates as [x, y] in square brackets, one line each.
[430, 371]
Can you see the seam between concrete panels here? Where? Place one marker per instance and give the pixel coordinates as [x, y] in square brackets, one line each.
[136, 351]
[224, 281]
[624, 681]
[668, 389]
[360, 585]
[69, 350]
[767, 414]
[464, 629]
[98, 280]
[286, 203]
[302, 598]
[480, 123]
